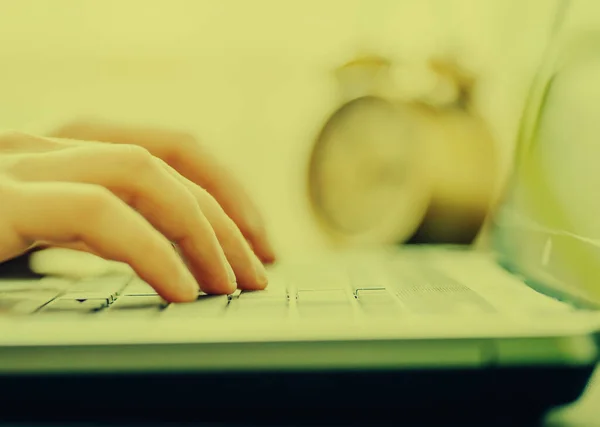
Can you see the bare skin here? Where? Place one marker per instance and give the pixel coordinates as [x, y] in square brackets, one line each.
[128, 195]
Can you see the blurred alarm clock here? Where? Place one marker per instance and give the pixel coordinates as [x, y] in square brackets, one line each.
[403, 158]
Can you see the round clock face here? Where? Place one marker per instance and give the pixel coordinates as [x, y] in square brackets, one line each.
[364, 179]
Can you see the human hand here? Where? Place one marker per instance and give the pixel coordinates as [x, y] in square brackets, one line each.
[127, 201]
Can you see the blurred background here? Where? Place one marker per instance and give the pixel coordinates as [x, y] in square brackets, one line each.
[255, 79]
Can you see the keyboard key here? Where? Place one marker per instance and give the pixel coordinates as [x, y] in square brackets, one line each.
[270, 293]
[378, 302]
[332, 296]
[134, 302]
[261, 311]
[259, 304]
[73, 306]
[142, 305]
[107, 297]
[204, 306]
[324, 303]
[139, 287]
[375, 296]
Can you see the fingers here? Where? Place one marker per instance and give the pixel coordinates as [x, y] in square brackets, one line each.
[188, 157]
[94, 216]
[199, 166]
[138, 179]
[250, 272]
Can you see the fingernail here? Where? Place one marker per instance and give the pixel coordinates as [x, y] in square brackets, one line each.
[260, 273]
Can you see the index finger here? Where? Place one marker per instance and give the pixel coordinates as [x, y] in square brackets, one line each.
[94, 216]
[193, 161]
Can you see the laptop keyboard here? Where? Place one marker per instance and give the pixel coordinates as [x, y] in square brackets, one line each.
[390, 290]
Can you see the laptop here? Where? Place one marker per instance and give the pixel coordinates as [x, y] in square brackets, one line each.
[385, 333]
